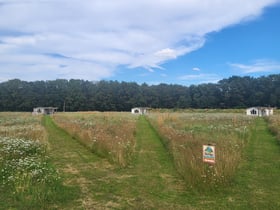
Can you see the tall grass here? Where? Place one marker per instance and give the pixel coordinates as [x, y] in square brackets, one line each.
[28, 180]
[109, 134]
[25, 170]
[22, 125]
[274, 124]
[184, 134]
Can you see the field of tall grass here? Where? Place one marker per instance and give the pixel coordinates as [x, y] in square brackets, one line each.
[184, 135]
[27, 177]
[108, 134]
[22, 125]
[29, 180]
[274, 125]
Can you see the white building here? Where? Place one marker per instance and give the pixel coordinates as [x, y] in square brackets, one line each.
[259, 111]
[139, 110]
[44, 110]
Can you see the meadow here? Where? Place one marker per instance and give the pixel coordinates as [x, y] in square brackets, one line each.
[22, 125]
[184, 134]
[27, 177]
[110, 134]
[116, 160]
[274, 125]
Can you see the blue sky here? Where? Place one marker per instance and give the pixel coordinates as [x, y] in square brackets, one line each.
[163, 41]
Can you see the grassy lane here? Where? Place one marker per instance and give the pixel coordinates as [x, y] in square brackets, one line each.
[75, 161]
[157, 184]
[258, 183]
[265, 181]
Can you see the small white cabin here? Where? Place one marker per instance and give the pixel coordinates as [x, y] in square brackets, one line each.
[139, 110]
[44, 110]
[259, 111]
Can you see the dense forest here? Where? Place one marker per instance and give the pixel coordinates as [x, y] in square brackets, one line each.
[81, 95]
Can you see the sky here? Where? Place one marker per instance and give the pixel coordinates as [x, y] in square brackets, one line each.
[162, 41]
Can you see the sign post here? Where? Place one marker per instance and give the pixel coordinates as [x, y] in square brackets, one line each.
[208, 154]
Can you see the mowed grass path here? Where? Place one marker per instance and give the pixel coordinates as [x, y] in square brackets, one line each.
[157, 184]
[151, 181]
[258, 182]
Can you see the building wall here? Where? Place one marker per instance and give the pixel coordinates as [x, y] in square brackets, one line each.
[259, 111]
[43, 110]
[138, 110]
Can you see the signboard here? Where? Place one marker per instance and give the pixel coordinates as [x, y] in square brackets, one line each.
[208, 153]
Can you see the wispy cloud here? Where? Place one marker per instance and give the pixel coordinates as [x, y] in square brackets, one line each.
[200, 78]
[196, 69]
[94, 37]
[257, 66]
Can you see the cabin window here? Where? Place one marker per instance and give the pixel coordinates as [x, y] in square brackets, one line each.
[253, 112]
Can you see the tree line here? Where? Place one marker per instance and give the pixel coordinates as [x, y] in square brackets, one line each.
[81, 95]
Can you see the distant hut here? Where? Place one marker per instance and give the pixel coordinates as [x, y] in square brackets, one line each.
[139, 110]
[259, 111]
[44, 110]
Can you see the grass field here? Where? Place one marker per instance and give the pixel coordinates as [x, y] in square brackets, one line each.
[274, 125]
[28, 179]
[22, 125]
[183, 134]
[110, 134]
[162, 167]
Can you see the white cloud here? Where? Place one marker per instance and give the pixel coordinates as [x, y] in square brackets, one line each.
[196, 69]
[257, 66]
[97, 36]
[47, 67]
[200, 78]
[166, 54]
